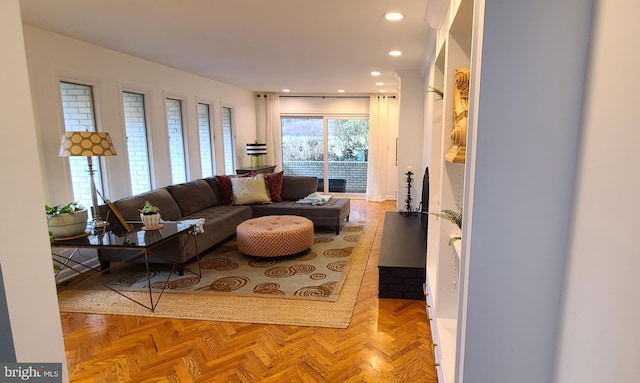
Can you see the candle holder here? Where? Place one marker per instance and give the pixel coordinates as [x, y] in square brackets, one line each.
[408, 210]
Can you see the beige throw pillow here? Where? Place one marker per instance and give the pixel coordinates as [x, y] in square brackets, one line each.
[249, 190]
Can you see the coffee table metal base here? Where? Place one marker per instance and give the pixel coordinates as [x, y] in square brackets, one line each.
[145, 252]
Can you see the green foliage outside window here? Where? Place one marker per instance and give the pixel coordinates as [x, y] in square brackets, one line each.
[303, 139]
[348, 140]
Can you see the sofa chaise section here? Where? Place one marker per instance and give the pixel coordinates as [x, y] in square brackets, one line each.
[294, 188]
[332, 213]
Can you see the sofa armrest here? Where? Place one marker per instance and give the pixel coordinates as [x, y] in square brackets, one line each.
[297, 187]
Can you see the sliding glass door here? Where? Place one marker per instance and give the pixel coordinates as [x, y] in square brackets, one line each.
[334, 149]
[348, 152]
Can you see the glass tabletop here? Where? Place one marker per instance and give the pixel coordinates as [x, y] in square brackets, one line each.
[116, 237]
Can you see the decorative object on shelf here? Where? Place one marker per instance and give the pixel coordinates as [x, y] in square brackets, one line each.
[454, 217]
[458, 150]
[66, 221]
[408, 209]
[438, 92]
[150, 216]
[256, 151]
[88, 144]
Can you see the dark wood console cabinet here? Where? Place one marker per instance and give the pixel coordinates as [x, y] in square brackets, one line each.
[402, 261]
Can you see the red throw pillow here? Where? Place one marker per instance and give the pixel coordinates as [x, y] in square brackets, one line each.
[226, 192]
[274, 184]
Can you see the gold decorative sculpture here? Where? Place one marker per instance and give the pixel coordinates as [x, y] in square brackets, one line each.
[458, 149]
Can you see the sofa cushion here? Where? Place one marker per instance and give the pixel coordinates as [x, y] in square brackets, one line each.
[274, 184]
[297, 187]
[248, 190]
[169, 209]
[193, 196]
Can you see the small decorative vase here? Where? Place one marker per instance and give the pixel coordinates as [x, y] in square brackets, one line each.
[150, 221]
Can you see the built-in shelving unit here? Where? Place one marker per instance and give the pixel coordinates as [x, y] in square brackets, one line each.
[453, 49]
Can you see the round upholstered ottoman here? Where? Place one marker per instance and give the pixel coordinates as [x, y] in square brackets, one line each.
[274, 235]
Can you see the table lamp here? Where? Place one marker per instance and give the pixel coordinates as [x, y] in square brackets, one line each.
[256, 151]
[88, 144]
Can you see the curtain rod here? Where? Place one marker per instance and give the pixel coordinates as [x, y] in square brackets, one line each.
[293, 96]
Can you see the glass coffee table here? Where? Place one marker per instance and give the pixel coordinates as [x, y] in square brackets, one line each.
[137, 246]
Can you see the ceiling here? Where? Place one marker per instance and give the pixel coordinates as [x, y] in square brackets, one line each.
[307, 46]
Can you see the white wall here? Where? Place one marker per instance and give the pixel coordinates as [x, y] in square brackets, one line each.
[600, 337]
[529, 69]
[410, 137]
[324, 105]
[25, 256]
[52, 57]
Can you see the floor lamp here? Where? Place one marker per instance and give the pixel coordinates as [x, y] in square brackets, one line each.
[88, 144]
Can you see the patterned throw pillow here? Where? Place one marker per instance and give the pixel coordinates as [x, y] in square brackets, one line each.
[225, 187]
[274, 184]
[249, 190]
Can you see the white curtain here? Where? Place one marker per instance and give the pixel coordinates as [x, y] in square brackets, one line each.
[268, 127]
[381, 151]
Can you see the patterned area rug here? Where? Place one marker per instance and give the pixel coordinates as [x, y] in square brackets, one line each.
[320, 287]
[317, 274]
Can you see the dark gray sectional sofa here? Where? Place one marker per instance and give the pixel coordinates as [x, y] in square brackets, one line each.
[202, 199]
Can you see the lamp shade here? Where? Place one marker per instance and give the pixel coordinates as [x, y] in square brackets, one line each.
[256, 149]
[86, 144]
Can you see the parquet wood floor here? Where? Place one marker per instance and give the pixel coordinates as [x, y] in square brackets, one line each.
[388, 341]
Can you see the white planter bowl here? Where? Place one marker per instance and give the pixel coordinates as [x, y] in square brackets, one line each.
[150, 221]
[68, 224]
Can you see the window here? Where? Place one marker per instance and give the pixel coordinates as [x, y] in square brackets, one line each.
[79, 116]
[333, 148]
[206, 149]
[347, 154]
[176, 141]
[137, 145]
[228, 140]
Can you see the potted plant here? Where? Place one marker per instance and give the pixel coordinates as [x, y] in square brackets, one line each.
[454, 217]
[433, 89]
[150, 216]
[66, 220]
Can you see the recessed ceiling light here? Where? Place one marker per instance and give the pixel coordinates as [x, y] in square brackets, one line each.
[376, 73]
[395, 53]
[379, 83]
[340, 90]
[286, 90]
[382, 91]
[393, 16]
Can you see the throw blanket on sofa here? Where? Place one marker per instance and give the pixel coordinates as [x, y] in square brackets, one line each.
[315, 199]
[198, 225]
